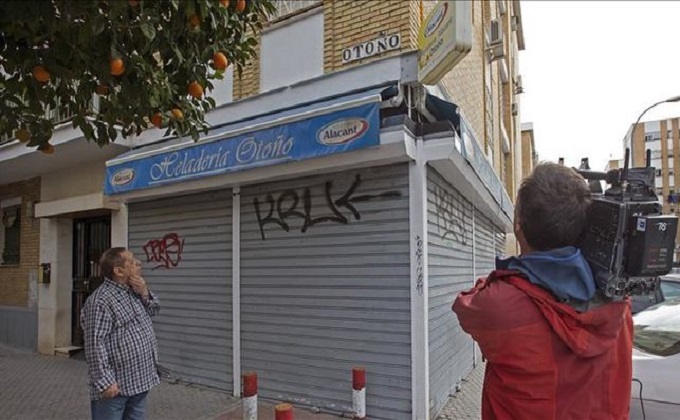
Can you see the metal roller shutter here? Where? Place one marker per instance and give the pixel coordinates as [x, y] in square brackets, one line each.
[325, 285]
[486, 243]
[185, 246]
[449, 217]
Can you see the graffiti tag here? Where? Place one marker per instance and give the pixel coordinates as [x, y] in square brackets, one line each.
[419, 265]
[298, 204]
[166, 251]
[450, 216]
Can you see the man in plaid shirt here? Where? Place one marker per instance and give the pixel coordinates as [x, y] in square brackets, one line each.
[120, 344]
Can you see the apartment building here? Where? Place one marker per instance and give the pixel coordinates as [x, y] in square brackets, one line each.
[662, 138]
[327, 221]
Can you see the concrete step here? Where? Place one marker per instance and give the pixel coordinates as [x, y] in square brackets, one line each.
[67, 351]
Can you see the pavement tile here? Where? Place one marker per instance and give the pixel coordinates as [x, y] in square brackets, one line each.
[35, 387]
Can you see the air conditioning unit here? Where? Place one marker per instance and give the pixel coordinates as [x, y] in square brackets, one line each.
[514, 109]
[519, 87]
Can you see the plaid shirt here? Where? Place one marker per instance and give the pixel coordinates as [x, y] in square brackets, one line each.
[120, 345]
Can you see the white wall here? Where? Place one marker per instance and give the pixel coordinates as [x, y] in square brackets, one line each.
[223, 90]
[54, 299]
[86, 178]
[292, 51]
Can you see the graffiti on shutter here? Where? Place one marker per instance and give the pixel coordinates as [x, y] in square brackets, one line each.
[167, 251]
[450, 223]
[277, 210]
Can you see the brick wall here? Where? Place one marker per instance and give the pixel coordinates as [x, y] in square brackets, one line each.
[351, 22]
[347, 23]
[638, 142]
[14, 279]
[465, 83]
[248, 83]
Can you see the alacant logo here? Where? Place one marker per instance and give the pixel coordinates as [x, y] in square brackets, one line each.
[342, 131]
[436, 19]
[122, 177]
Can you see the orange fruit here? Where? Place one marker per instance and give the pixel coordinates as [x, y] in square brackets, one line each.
[241, 5]
[117, 66]
[194, 21]
[102, 89]
[195, 90]
[220, 61]
[22, 135]
[178, 114]
[225, 3]
[41, 74]
[46, 148]
[157, 120]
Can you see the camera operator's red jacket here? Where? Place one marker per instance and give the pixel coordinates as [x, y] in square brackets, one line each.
[545, 360]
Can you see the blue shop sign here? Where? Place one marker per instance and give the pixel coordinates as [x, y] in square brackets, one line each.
[338, 132]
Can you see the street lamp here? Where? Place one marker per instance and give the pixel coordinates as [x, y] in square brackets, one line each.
[632, 132]
[673, 99]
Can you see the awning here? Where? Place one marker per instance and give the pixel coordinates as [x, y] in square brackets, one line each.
[334, 125]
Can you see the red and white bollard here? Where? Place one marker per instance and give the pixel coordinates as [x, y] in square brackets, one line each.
[283, 411]
[250, 396]
[359, 392]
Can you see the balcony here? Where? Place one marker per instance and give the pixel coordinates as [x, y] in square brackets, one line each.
[18, 162]
[59, 115]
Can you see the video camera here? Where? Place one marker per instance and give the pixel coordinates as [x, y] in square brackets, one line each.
[628, 242]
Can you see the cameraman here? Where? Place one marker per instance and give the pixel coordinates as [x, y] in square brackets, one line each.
[556, 349]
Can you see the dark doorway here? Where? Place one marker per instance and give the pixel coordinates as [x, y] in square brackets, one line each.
[91, 237]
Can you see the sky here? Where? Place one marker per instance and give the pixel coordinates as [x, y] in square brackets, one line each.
[589, 69]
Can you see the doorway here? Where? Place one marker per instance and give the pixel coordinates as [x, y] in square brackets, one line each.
[91, 237]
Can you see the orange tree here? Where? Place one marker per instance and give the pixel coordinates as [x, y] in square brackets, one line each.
[118, 66]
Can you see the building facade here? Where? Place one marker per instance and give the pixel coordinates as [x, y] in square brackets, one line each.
[327, 221]
[662, 138]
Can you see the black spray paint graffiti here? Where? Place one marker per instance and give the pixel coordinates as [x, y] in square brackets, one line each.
[167, 251]
[288, 205]
[450, 216]
[419, 265]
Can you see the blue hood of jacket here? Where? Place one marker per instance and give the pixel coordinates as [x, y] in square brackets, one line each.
[563, 271]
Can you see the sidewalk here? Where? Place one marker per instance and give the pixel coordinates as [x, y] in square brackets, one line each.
[466, 404]
[35, 387]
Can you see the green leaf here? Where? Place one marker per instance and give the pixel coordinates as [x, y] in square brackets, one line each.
[78, 50]
[112, 133]
[148, 30]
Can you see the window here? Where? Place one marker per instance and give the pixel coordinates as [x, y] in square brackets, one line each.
[11, 226]
[670, 289]
[292, 52]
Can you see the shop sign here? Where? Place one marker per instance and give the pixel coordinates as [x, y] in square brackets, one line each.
[338, 132]
[445, 38]
[371, 48]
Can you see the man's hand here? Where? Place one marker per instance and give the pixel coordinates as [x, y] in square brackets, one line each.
[139, 286]
[111, 391]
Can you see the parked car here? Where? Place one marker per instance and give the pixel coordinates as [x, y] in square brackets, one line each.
[655, 391]
[669, 288]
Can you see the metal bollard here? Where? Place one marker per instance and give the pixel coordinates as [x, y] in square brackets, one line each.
[283, 411]
[359, 392]
[250, 396]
